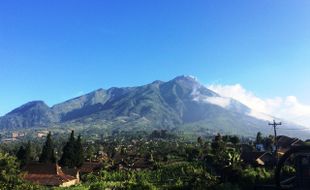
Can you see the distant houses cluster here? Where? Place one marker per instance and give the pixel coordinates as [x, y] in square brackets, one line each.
[17, 135]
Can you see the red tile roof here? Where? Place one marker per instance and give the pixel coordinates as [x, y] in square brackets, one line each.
[46, 174]
[42, 168]
[48, 179]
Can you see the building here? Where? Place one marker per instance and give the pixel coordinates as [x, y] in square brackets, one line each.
[258, 158]
[41, 134]
[17, 134]
[285, 143]
[49, 174]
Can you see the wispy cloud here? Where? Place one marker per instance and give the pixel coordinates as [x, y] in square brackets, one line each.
[220, 101]
[288, 108]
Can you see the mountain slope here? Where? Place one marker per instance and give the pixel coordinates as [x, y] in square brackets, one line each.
[181, 104]
[31, 114]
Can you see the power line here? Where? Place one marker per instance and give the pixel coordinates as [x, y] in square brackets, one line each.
[275, 124]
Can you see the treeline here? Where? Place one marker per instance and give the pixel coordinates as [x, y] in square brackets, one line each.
[72, 152]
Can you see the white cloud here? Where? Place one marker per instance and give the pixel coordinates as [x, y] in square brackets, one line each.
[260, 115]
[220, 101]
[288, 108]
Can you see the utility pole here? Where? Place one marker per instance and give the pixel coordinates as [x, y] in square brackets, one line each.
[275, 124]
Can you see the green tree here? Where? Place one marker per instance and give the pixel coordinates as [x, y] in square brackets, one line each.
[73, 155]
[200, 141]
[21, 155]
[217, 144]
[268, 142]
[79, 156]
[234, 139]
[24, 154]
[259, 138]
[48, 154]
[90, 151]
[234, 158]
[192, 153]
[10, 177]
[28, 152]
[68, 154]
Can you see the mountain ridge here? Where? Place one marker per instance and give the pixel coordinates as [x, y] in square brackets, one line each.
[171, 105]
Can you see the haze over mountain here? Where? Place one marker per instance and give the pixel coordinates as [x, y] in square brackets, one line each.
[181, 104]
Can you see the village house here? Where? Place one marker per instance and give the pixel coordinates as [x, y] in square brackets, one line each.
[14, 136]
[285, 143]
[75, 172]
[17, 134]
[258, 158]
[41, 134]
[49, 174]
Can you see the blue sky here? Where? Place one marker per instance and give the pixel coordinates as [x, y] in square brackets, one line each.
[56, 50]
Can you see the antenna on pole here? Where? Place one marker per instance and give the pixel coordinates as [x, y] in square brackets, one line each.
[275, 124]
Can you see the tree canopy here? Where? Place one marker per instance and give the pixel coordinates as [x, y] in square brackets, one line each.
[72, 155]
[48, 154]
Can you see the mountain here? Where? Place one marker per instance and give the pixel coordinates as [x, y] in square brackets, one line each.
[35, 113]
[181, 104]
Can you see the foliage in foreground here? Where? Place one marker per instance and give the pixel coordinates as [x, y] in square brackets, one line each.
[173, 176]
[10, 175]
